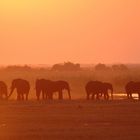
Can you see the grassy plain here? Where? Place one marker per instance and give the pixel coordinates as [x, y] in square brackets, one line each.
[76, 79]
[77, 119]
[67, 120]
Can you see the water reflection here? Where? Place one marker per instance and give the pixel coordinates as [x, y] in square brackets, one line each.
[124, 96]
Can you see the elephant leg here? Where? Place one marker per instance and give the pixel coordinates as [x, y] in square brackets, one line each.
[50, 96]
[0, 96]
[38, 96]
[60, 95]
[26, 96]
[47, 95]
[100, 94]
[139, 96]
[129, 95]
[97, 96]
[93, 96]
[22, 97]
[43, 95]
[18, 97]
[88, 96]
[106, 96]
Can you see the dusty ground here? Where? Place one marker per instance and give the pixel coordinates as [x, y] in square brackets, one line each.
[70, 120]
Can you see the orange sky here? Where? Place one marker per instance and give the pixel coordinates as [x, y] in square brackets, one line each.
[84, 31]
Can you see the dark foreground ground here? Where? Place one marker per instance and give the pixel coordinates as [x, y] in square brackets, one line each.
[70, 120]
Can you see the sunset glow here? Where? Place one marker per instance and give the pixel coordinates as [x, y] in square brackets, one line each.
[84, 31]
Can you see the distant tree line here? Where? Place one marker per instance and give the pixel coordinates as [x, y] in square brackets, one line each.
[18, 67]
[69, 66]
[115, 67]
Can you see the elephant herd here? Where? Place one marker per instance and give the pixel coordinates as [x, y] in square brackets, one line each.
[46, 88]
[43, 87]
[98, 89]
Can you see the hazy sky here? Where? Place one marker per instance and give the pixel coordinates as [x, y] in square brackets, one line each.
[83, 31]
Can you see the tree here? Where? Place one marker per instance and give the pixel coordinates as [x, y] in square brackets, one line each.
[66, 66]
[100, 67]
[120, 67]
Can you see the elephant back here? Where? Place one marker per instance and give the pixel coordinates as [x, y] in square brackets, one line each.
[43, 84]
[132, 86]
[21, 84]
[93, 86]
[59, 85]
[107, 86]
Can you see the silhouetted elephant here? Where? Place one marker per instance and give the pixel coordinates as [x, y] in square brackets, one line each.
[59, 86]
[97, 88]
[93, 88]
[105, 87]
[3, 90]
[22, 86]
[132, 87]
[43, 86]
[48, 87]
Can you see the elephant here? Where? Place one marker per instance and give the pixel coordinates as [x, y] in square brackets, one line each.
[48, 87]
[43, 86]
[132, 87]
[105, 87]
[93, 88]
[22, 86]
[98, 88]
[59, 86]
[3, 90]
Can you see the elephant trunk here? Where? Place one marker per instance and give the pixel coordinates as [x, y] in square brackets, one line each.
[12, 89]
[38, 94]
[6, 94]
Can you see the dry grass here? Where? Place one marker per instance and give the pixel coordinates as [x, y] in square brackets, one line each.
[67, 120]
[76, 79]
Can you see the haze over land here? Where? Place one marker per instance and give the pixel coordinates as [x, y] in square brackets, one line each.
[52, 31]
[51, 45]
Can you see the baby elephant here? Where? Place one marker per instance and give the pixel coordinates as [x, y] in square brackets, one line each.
[3, 90]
